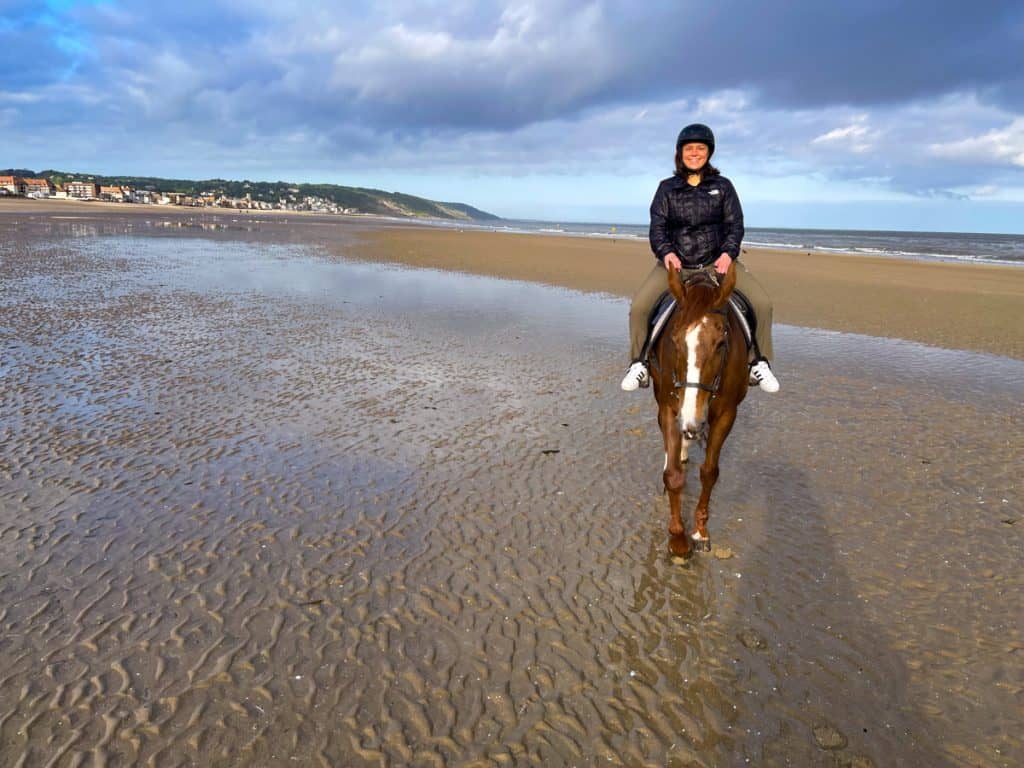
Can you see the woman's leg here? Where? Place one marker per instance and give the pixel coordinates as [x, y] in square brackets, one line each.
[762, 305]
[655, 284]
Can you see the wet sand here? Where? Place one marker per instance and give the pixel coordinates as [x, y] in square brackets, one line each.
[250, 516]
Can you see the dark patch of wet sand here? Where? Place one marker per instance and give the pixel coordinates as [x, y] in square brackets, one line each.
[220, 542]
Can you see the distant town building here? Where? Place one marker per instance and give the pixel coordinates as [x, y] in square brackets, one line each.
[143, 196]
[115, 193]
[39, 187]
[82, 190]
[12, 185]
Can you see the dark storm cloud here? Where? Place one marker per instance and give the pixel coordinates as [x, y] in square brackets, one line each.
[541, 61]
[535, 85]
[817, 53]
[421, 66]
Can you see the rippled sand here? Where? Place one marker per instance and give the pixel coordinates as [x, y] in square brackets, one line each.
[260, 506]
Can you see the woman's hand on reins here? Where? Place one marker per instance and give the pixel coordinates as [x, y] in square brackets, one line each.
[672, 261]
[721, 263]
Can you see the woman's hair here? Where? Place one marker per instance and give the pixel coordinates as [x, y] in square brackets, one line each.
[705, 173]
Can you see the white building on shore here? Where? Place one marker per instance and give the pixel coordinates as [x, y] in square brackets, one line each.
[39, 188]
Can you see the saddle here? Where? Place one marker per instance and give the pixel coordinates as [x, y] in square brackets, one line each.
[738, 304]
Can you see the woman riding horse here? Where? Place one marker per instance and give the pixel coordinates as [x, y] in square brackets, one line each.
[697, 221]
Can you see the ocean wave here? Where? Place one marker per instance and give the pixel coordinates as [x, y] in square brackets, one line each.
[974, 248]
[760, 244]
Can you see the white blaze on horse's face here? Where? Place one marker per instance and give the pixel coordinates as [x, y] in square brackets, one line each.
[689, 419]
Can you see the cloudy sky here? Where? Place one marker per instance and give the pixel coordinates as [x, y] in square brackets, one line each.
[868, 114]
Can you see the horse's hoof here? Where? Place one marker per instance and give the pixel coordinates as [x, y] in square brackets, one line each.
[679, 546]
[700, 543]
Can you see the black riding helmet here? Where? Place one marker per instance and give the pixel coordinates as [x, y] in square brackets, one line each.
[697, 132]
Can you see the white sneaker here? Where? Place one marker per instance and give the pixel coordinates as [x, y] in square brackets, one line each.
[636, 377]
[761, 374]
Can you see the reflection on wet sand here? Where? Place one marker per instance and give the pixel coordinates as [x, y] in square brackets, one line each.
[263, 507]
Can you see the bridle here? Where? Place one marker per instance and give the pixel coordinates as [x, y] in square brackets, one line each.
[716, 384]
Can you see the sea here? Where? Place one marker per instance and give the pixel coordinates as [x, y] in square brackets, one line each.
[939, 246]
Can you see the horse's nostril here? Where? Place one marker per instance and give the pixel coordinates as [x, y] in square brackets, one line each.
[694, 430]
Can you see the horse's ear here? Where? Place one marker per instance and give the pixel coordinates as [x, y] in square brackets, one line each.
[725, 287]
[675, 285]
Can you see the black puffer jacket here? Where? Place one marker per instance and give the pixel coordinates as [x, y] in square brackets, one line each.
[699, 223]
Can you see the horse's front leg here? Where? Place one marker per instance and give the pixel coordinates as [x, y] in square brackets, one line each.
[674, 478]
[718, 430]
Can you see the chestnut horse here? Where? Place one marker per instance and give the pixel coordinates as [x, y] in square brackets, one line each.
[699, 370]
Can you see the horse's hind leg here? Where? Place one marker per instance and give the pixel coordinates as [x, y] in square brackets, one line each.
[674, 478]
[718, 431]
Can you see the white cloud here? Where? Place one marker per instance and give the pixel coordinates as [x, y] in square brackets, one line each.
[855, 137]
[849, 131]
[722, 103]
[1000, 145]
[19, 97]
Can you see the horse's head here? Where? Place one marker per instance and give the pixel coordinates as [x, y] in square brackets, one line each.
[701, 338]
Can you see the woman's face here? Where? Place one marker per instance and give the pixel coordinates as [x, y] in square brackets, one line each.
[695, 155]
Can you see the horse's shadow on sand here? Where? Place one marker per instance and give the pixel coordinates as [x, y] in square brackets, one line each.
[817, 681]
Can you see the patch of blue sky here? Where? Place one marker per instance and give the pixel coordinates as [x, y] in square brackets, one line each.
[62, 6]
[72, 44]
[67, 35]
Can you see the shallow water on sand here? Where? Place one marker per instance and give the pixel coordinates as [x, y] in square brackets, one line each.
[259, 506]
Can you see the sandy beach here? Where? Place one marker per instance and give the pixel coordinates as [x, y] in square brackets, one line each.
[282, 490]
[957, 306]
